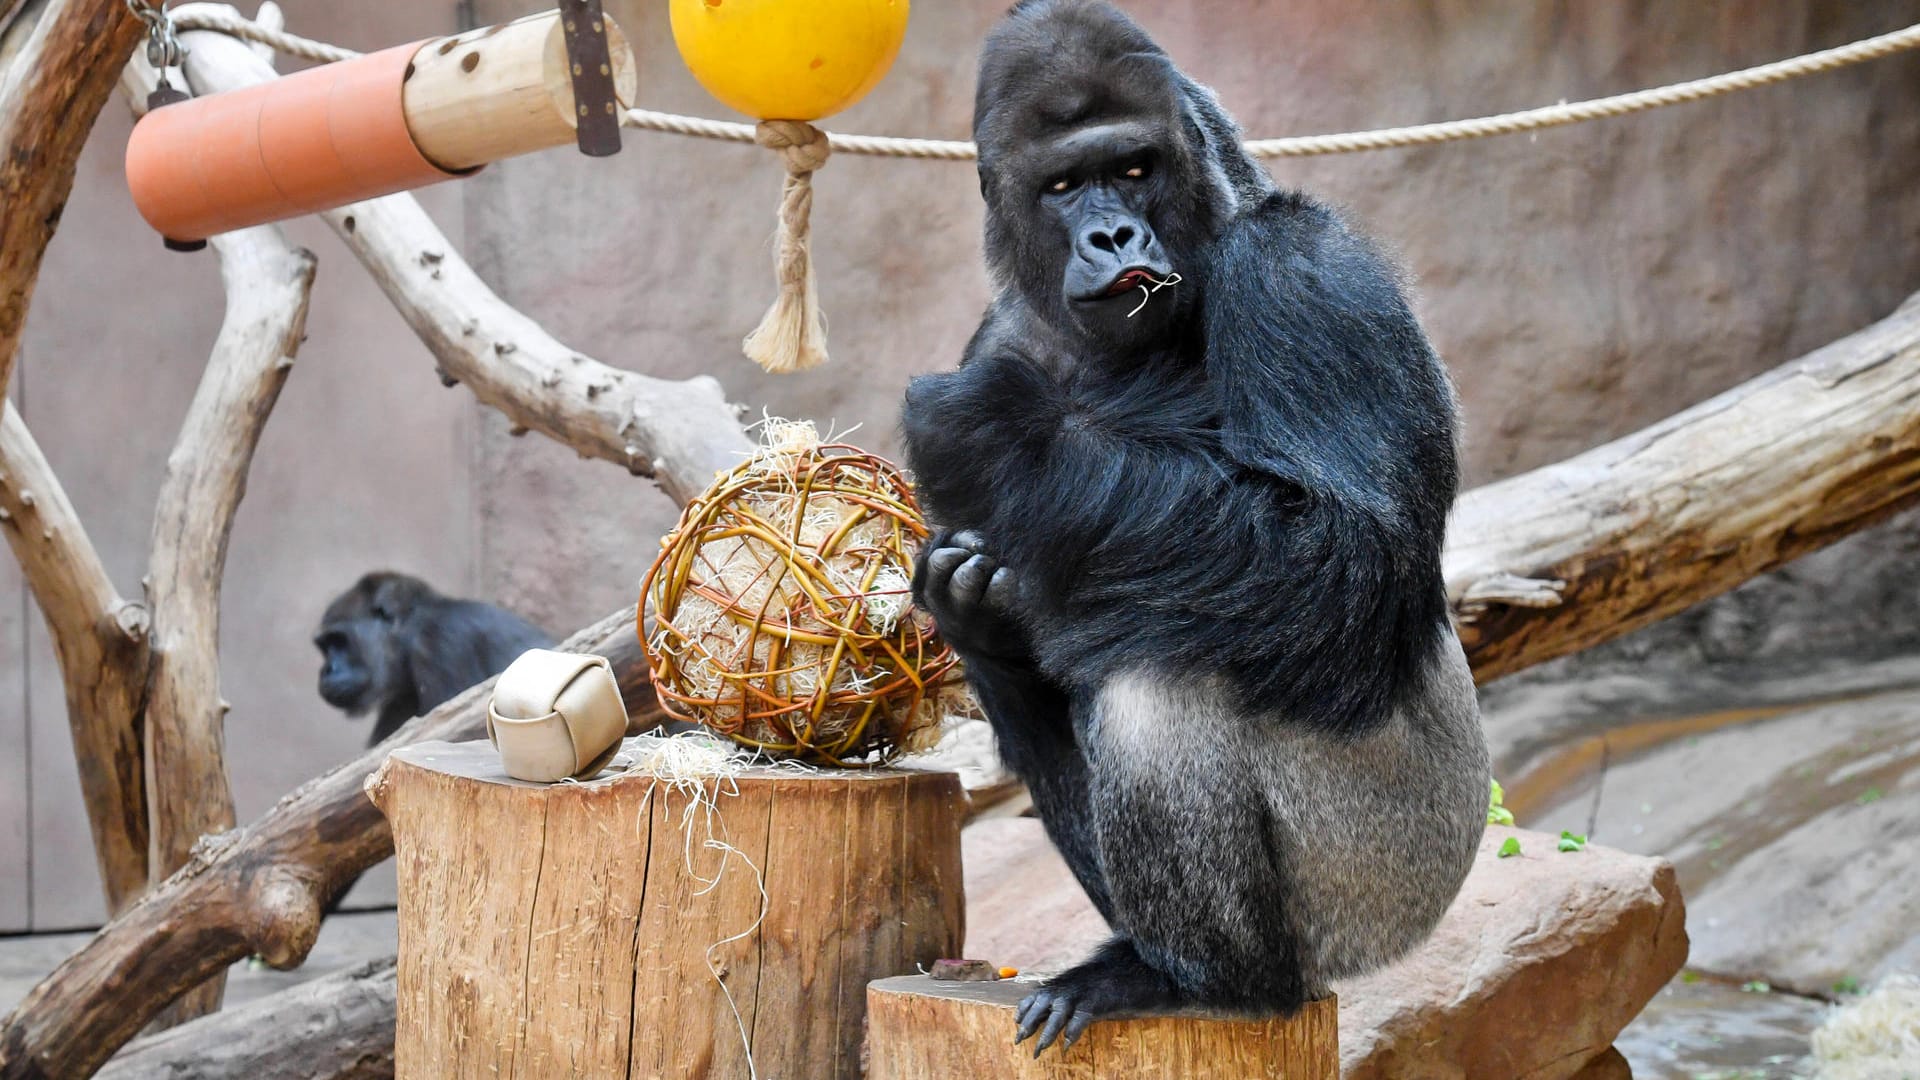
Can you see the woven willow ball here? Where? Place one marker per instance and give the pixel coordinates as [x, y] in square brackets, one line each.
[782, 608]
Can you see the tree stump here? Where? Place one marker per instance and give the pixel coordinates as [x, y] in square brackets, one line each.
[602, 929]
[919, 1029]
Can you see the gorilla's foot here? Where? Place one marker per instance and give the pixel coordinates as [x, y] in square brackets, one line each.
[1112, 983]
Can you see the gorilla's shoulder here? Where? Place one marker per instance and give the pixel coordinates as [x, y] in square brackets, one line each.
[1293, 238]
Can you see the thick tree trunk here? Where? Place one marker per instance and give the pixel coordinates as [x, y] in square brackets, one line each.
[1565, 557]
[568, 929]
[256, 890]
[58, 62]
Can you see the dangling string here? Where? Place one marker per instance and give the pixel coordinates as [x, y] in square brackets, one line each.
[1146, 294]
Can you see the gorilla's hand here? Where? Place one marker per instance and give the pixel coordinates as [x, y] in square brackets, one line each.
[971, 596]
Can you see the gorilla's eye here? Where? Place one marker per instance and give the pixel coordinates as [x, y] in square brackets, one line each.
[1136, 172]
[1061, 186]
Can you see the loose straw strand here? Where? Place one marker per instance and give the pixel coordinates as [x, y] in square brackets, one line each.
[1549, 116]
[793, 334]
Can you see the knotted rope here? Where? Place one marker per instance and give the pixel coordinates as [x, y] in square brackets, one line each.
[793, 334]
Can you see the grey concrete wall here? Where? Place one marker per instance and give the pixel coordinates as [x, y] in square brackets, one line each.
[1581, 283]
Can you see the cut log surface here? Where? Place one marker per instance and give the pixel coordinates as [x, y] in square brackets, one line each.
[927, 1030]
[619, 928]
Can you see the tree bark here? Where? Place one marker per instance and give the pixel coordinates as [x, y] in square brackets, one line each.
[268, 285]
[60, 59]
[568, 929]
[100, 639]
[337, 1027]
[1565, 557]
[675, 432]
[258, 890]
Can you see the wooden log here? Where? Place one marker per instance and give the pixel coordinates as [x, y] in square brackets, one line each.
[492, 93]
[336, 1027]
[568, 929]
[1565, 557]
[920, 1029]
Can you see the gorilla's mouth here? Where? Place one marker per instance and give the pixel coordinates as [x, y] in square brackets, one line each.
[1133, 277]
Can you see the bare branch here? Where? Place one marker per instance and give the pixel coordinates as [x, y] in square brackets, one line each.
[268, 284]
[61, 59]
[101, 640]
[1565, 557]
[678, 433]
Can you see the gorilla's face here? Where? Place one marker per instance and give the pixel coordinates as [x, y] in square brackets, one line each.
[1095, 202]
[362, 658]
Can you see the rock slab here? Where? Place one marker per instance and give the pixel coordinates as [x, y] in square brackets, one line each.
[1539, 963]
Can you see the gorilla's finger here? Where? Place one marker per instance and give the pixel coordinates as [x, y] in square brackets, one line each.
[1076, 1028]
[970, 581]
[940, 567]
[1000, 590]
[1031, 1012]
[1056, 1019]
[971, 540]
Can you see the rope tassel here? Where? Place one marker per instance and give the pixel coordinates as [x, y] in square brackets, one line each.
[793, 334]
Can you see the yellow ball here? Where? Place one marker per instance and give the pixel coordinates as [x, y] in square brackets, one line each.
[789, 59]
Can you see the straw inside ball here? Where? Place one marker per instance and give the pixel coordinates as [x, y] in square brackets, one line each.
[782, 605]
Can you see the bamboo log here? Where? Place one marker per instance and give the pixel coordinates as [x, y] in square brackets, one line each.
[618, 928]
[920, 1029]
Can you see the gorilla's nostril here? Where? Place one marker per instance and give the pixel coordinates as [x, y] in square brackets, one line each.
[1122, 236]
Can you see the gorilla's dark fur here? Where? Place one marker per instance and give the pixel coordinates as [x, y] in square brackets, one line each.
[393, 644]
[1191, 556]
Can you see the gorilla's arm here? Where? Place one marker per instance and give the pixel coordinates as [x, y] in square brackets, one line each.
[971, 598]
[1319, 570]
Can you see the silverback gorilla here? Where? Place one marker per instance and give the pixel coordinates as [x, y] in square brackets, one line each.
[393, 644]
[1191, 481]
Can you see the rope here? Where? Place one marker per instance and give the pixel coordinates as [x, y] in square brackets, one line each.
[793, 334]
[1549, 116]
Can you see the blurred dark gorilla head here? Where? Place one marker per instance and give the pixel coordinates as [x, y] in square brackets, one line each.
[394, 644]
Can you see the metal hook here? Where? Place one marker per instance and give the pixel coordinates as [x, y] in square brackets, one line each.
[163, 44]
